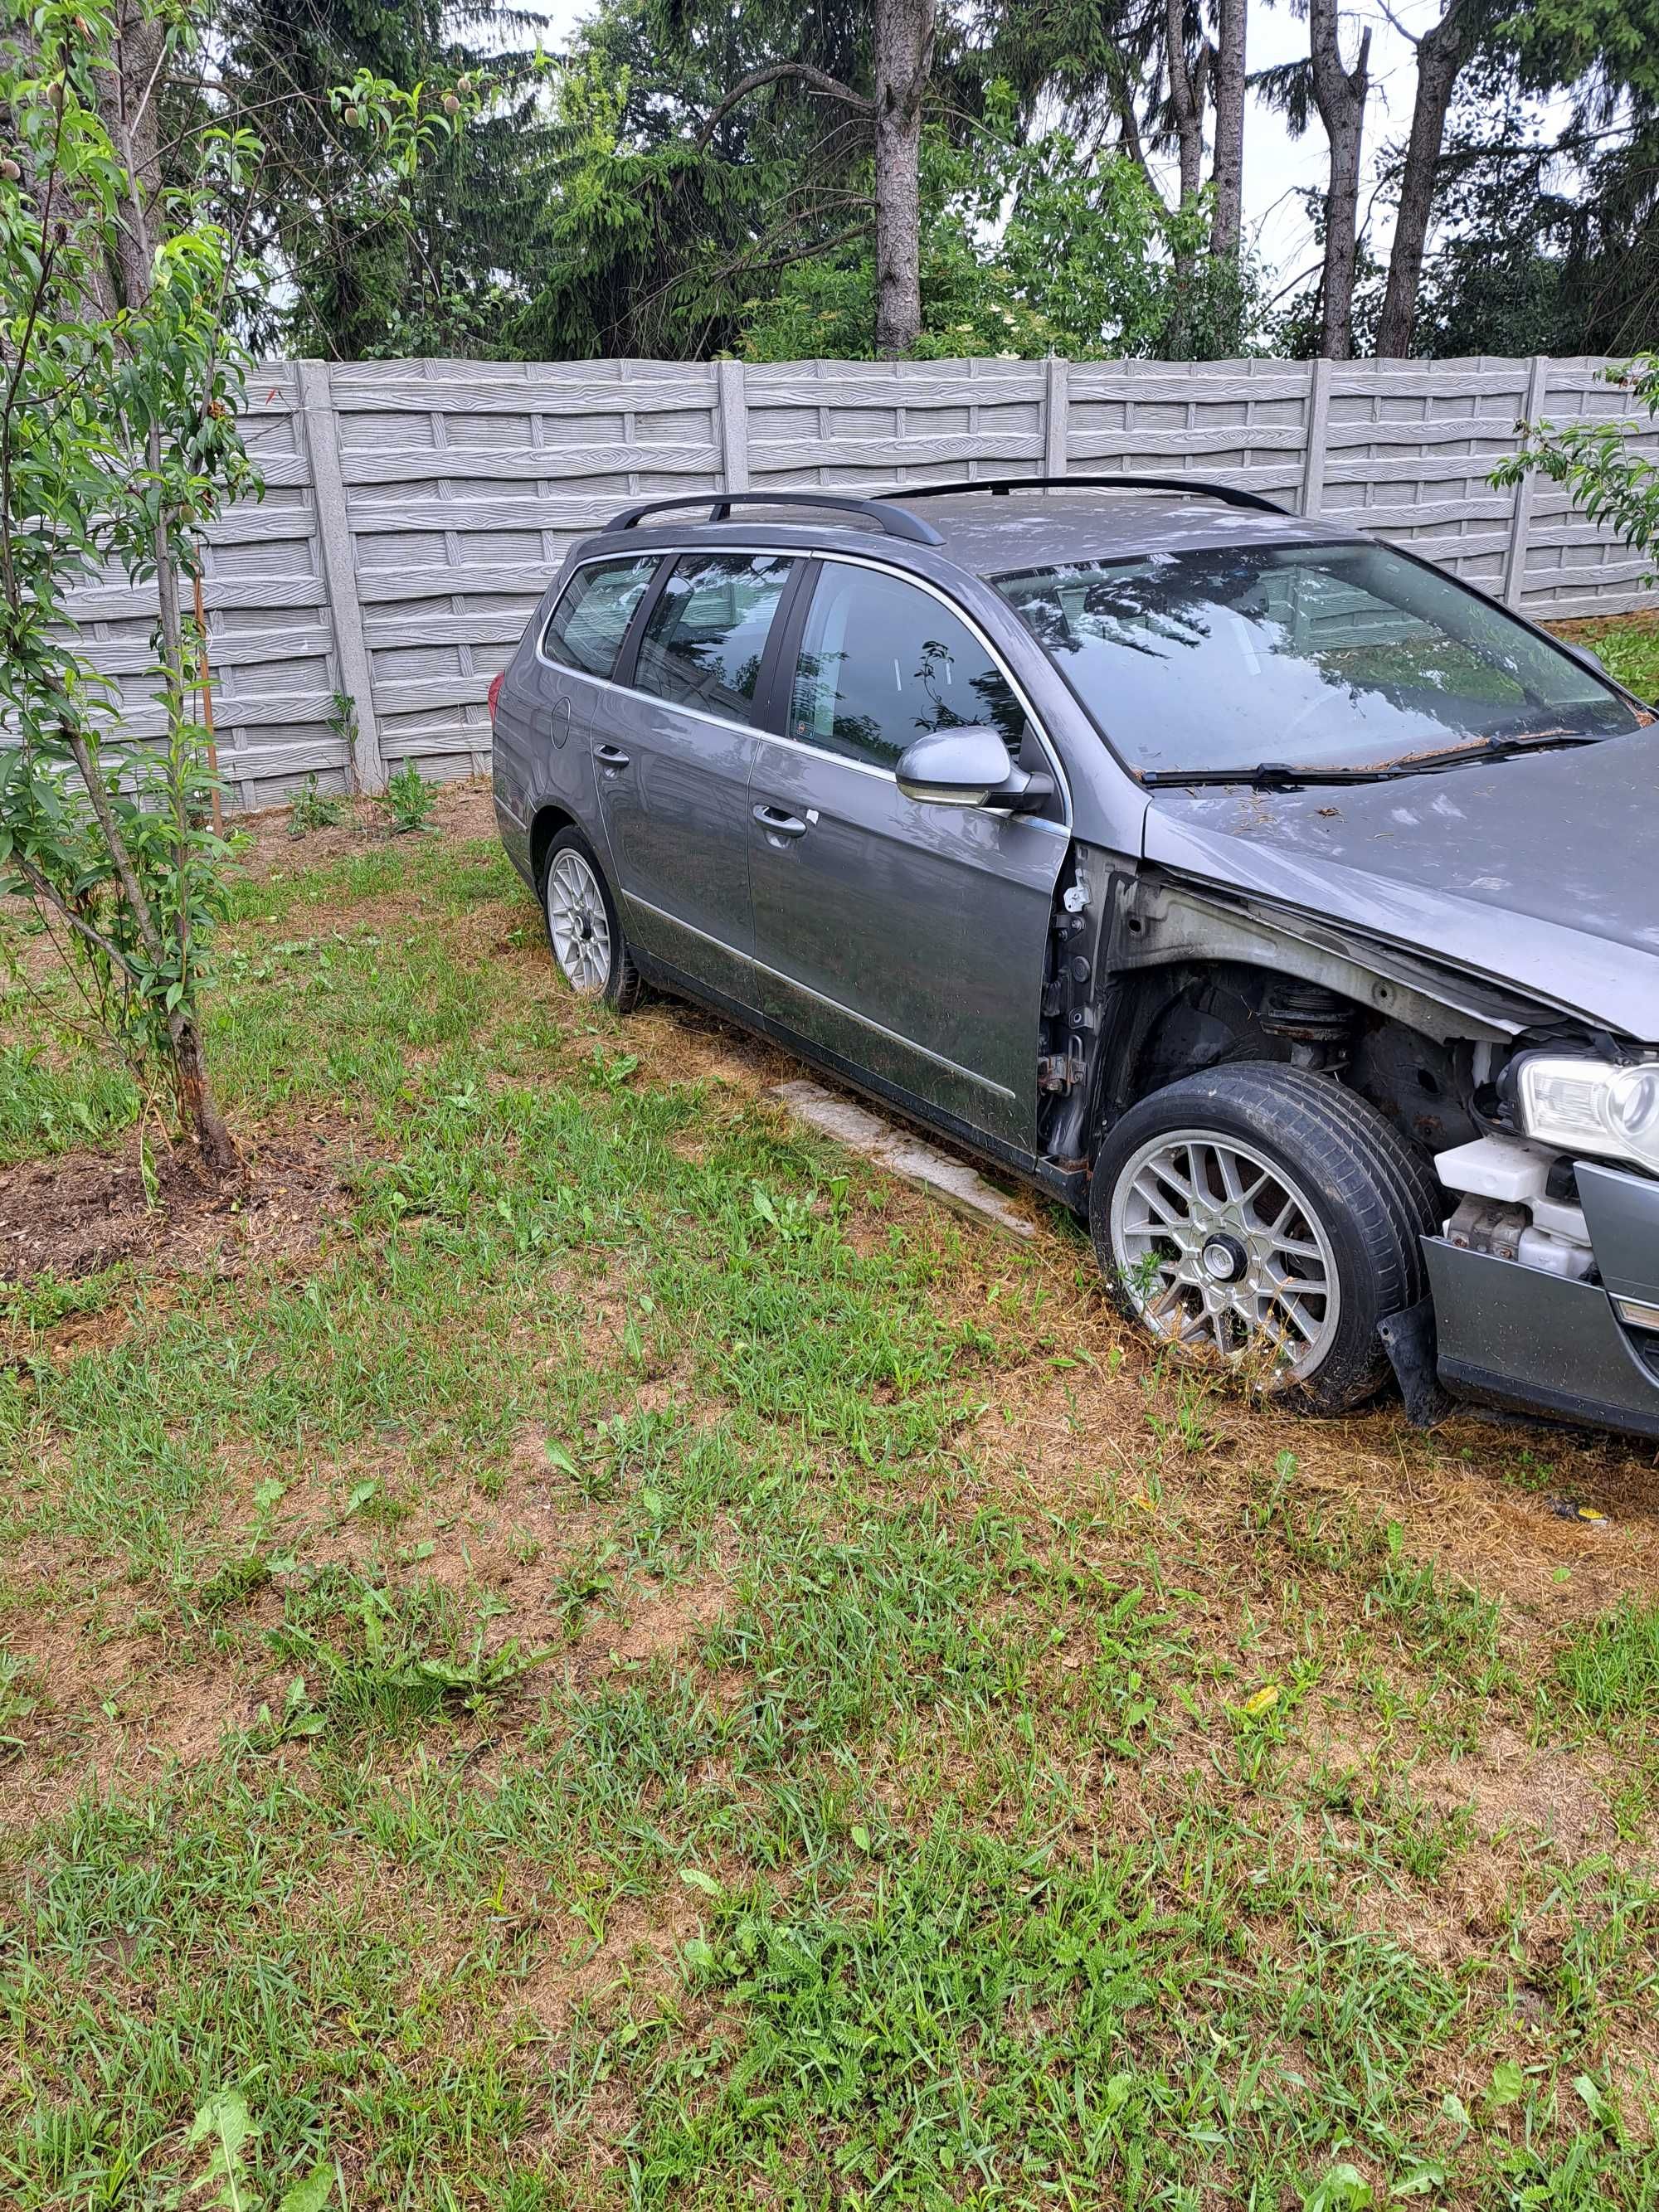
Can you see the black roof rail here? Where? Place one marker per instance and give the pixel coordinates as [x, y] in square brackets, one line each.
[893, 519]
[1197, 487]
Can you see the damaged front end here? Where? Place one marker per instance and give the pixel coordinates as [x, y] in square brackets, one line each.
[1545, 1273]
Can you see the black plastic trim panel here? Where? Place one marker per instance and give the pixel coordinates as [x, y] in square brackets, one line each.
[1520, 1337]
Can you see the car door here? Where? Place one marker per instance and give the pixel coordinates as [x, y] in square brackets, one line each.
[908, 940]
[673, 763]
[566, 684]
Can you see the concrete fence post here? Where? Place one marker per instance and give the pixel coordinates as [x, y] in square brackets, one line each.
[1313, 449]
[734, 425]
[1515, 559]
[364, 768]
[1055, 401]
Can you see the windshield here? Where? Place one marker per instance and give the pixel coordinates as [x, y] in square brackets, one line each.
[1319, 656]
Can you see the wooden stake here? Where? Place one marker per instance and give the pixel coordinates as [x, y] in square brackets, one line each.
[207, 708]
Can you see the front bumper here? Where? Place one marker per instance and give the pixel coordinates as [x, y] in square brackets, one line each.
[1516, 1336]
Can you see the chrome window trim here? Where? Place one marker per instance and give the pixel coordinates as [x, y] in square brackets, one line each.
[1062, 782]
[633, 690]
[626, 691]
[909, 1045]
[886, 775]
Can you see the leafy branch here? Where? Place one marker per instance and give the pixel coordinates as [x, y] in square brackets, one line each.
[1609, 481]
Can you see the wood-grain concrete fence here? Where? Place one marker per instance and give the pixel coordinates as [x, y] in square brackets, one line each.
[415, 510]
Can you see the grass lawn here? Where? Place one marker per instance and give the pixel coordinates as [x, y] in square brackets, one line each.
[1628, 644]
[587, 1649]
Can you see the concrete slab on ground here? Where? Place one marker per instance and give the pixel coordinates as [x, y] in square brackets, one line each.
[902, 1154]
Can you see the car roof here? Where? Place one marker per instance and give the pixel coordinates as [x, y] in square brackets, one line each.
[990, 533]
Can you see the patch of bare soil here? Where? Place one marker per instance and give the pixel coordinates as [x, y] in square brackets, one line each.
[461, 811]
[660, 1623]
[85, 1211]
[635, 1957]
[110, 1719]
[678, 1042]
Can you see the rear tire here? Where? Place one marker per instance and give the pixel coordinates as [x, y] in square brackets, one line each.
[583, 927]
[1270, 1217]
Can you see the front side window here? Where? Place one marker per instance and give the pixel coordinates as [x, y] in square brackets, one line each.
[1314, 656]
[883, 663]
[587, 628]
[707, 634]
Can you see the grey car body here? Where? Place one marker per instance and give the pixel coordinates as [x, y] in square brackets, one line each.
[1021, 975]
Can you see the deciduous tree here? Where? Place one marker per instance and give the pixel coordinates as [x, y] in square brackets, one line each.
[1340, 93]
[1441, 53]
[118, 443]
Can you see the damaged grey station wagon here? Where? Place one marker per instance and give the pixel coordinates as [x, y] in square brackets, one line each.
[1252, 887]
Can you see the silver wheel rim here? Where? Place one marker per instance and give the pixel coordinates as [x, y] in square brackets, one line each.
[578, 924]
[1219, 1249]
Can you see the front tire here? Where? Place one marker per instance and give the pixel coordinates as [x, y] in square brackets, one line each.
[583, 927]
[1269, 1217]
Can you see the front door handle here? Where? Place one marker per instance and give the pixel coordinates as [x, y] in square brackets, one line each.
[777, 822]
[612, 758]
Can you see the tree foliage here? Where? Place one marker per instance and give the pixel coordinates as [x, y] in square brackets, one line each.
[358, 257]
[685, 179]
[1028, 248]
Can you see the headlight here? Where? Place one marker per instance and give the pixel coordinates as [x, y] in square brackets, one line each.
[1592, 1106]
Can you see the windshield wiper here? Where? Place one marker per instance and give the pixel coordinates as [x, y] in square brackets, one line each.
[1280, 775]
[1490, 749]
[1265, 775]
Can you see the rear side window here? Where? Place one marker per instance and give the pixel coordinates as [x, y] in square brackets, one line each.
[704, 642]
[883, 663]
[587, 628]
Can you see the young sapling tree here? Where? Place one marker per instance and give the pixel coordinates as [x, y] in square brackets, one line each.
[120, 392]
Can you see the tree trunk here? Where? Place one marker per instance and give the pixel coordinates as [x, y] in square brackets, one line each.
[1441, 54]
[1186, 99]
[198, 1115]
[1340, 95]
[1124, 88]
[904, 33]
[131, 105]
[1228, 171]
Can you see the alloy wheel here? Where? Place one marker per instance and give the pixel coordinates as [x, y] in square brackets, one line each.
[1220, 1248]
[578, 923]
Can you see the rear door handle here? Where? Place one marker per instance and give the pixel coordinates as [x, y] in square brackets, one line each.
[610, 756]
[778, 823]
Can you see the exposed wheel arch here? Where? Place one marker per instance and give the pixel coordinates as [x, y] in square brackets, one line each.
[1187, 1017]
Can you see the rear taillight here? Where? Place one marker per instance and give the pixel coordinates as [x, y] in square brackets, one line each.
[494, 695]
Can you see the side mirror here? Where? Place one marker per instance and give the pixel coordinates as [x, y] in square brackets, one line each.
[967, 767]
[1583, 654]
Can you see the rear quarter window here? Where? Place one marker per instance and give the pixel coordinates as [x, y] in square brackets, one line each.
[591, 615]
